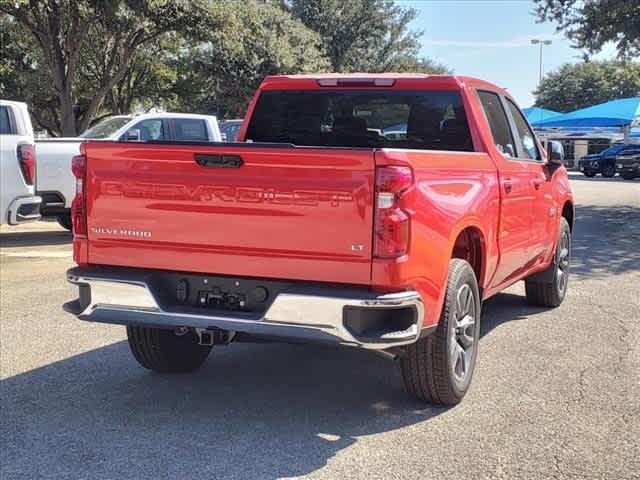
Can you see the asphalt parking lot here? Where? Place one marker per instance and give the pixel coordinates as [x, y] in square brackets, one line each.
[556, 393]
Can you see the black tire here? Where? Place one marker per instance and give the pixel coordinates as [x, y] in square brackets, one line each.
[609, 171]
[430, 366]
[549, 287]
[65, 221]
[589, 174]
[164, 351]
[628, 176]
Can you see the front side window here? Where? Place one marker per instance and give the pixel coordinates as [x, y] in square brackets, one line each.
[5, 121]
[498, 123]
[229, 130]
[189, 129]
[528, 146]
[150, 130]
[425, 120]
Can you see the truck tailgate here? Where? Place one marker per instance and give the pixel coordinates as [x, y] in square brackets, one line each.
[236, 209]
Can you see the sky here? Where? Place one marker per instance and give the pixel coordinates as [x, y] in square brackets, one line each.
[491, 39]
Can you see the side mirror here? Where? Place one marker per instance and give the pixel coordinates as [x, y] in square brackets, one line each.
[132, 135]
[555, 153]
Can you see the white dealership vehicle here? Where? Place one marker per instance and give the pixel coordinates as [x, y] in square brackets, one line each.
[18, 202]
[56, 183]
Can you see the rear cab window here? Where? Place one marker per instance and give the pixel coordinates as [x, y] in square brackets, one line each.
[424, 120]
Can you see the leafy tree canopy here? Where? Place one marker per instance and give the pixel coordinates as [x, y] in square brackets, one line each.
[592, 23]
[76, 61]
[66, 34]
[364, 35]
[256, 40]
[571, 87]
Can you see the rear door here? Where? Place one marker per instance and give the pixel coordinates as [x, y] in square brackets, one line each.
[516, 214]
[261, 210]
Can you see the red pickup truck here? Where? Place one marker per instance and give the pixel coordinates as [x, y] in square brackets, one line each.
[372, 211]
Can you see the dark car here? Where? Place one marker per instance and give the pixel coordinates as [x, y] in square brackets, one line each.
[229, 129]
[603, 162]
[628, 162]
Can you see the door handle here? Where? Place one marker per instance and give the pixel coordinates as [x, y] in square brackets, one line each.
[218, 161]
[507, 185]
[536, 182]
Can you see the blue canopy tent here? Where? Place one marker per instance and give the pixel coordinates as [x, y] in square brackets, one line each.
[616, 113]
[537, 114]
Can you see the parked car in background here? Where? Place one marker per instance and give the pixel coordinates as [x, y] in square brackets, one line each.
[18, 202]
[603, 162]
[628, 162]
[229, 129]
[318, 226]
[56, 183]
[590, 164]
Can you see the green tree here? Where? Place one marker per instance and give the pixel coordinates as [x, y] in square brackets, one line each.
[574, 86]
[364, 35]
[590, 24]
[116, 32]
[255, 40]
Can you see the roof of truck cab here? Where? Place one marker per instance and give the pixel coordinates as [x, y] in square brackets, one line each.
[403, 80]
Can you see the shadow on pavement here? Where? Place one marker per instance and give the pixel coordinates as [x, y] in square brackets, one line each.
[253, 411]
[34, 239]
[606, 240]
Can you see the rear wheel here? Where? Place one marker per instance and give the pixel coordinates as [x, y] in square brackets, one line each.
[165, 351]
[609, 171]
[65, 221]
[549, 287]
[439, 367]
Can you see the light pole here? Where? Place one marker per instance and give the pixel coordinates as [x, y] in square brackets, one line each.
[536, 41]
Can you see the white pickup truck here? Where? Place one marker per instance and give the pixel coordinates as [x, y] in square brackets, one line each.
[56, 183]
[18, 202]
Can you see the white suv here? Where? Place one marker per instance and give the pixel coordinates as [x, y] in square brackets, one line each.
[18, 202]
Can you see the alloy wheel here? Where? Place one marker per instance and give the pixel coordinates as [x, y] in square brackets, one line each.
[463, 334]
[563, 263]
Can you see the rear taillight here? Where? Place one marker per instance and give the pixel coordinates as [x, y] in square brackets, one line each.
[79, 205]
[391, 229]
[27, 160]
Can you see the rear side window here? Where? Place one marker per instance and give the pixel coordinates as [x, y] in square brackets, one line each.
[5, 121]
[425, 120]
[527, 140]
[189, 129]
[498, 123]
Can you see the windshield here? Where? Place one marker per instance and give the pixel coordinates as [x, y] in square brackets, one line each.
[430, 120]
[614, 149]
[106, 127]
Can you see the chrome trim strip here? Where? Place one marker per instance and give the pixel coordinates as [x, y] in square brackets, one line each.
[116, 300]
[15, 218]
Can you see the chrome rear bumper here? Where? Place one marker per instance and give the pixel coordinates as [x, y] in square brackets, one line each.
[319, 316]
[24, 209]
